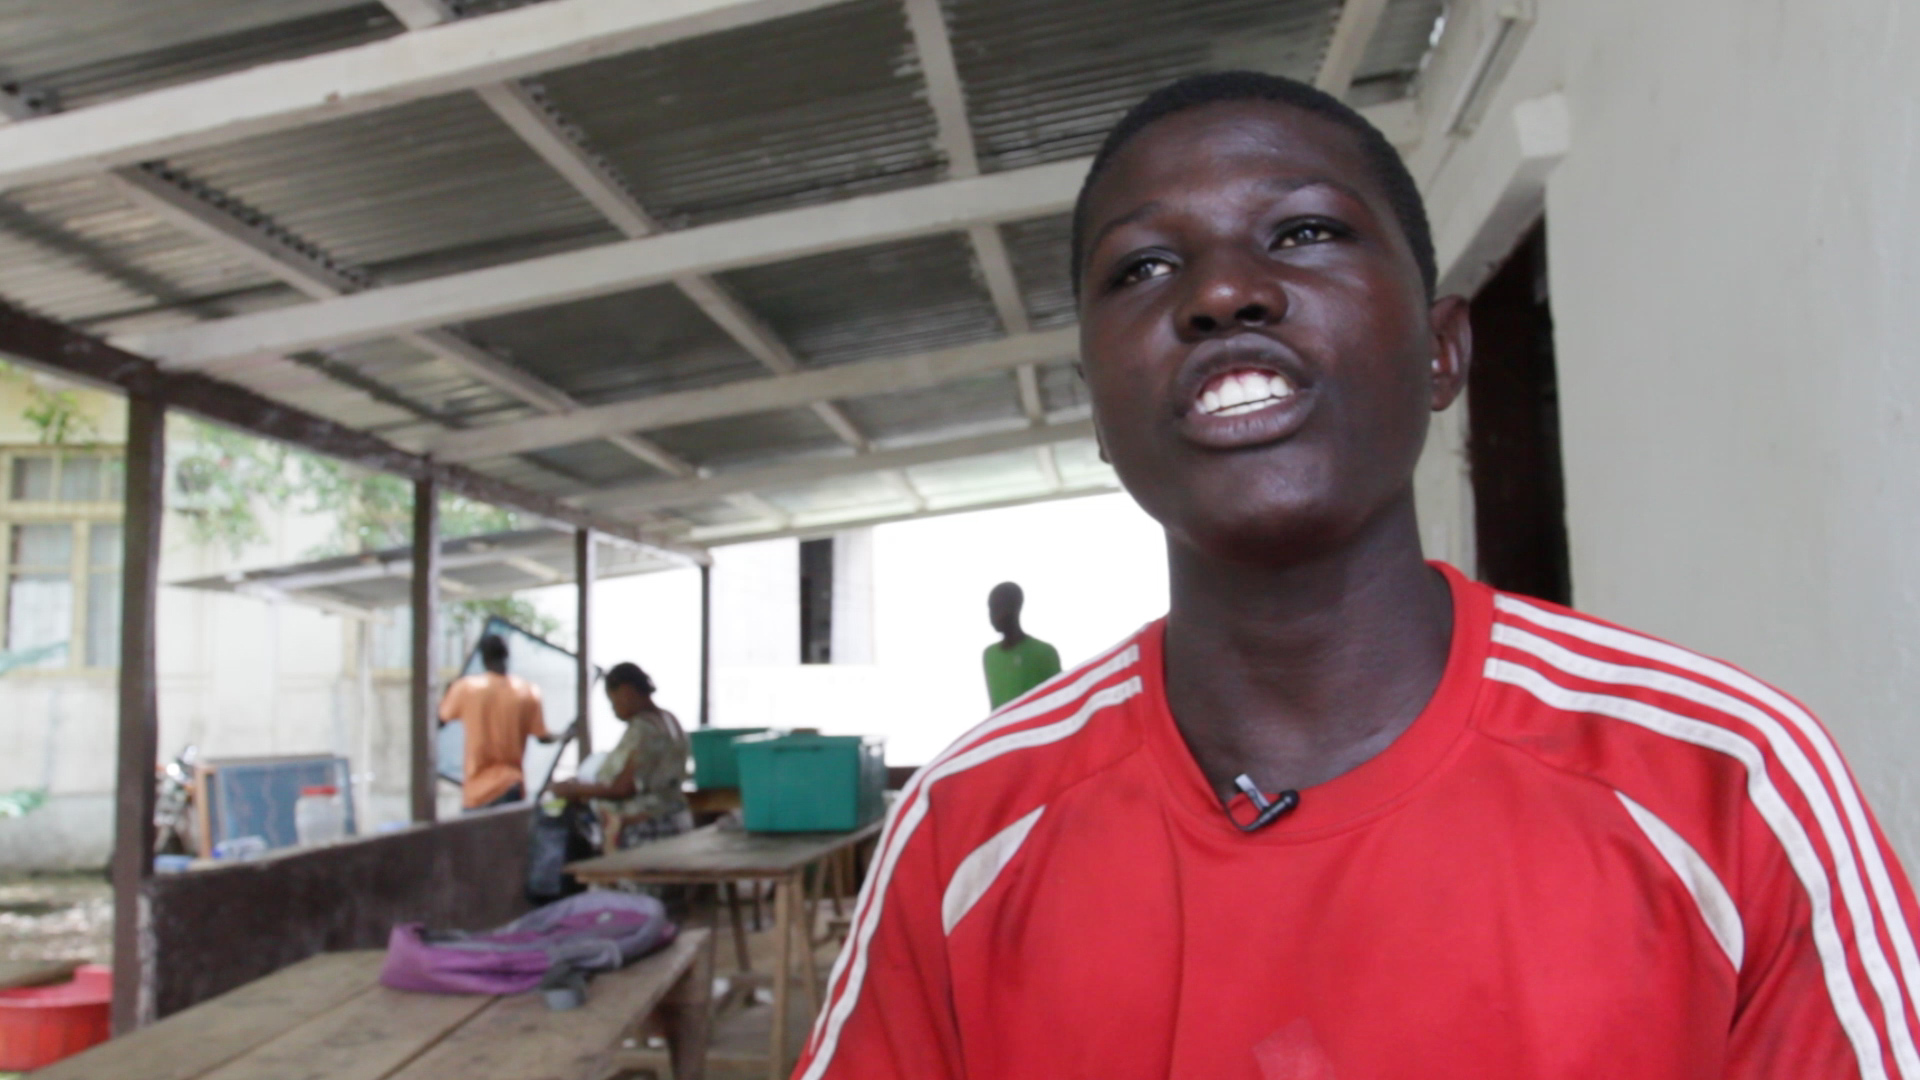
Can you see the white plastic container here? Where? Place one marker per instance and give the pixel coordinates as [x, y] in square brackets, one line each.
[319, 816]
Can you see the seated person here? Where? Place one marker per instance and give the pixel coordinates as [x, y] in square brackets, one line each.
[637, 792]
[1344, 812]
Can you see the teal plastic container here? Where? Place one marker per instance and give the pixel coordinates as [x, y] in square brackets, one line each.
[810, 783]
[715, 764]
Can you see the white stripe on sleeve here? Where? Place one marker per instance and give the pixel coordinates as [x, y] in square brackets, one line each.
[1716, 905]
[1078, 683]
[980, 869]
[834, 1019]
[1774, 810]
[1887, 986]
[1735, 679]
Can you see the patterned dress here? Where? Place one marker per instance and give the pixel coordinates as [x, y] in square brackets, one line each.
[657, 808]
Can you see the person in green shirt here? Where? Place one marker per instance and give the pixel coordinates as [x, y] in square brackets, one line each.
[1017, 662]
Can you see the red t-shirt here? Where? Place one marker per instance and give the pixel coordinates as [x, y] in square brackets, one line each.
[1592, 855]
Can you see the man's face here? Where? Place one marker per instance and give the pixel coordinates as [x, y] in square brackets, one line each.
[1255, 332]
[1003, 610]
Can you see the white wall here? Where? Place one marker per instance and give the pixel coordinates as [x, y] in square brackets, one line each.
[238, 677]
[1094, 570]
[1734, 250]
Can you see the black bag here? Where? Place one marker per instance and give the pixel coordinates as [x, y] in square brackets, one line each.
[559, 839]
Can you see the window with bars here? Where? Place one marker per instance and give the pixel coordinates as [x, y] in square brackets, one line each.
[60, 537]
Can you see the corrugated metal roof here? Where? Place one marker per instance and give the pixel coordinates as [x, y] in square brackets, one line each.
[434, 176]
[493, 564]
[647, 341]
[1401, 43]
[528, 474]
[812, 108]
[842, 493]
[1045, 80]
[1018, 469]
[1042, 265]
[767, 437]
[982, 400]
[434, 383]
[883, 300]
[78, 251]
[1062, 388]
[88, 51]
[805, 109]
[719, 513]
[1079, 463]
[598, 463]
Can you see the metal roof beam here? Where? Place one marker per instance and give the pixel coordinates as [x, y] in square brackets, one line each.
[916, 371]
[669, 493]
[1351, 35]
[947, 206]
[204, 213]
[825, 525]
[50, 345]
[946, 94]
[625, 264]
[364, 78]
[541, 126]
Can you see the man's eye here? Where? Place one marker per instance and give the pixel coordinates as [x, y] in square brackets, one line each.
[1308, 232]
[1141, 269]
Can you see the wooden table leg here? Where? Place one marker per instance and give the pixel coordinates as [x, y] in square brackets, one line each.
[687, 1015]
[809, 964]
[777, 1063]
[842, 878]
[739, 927]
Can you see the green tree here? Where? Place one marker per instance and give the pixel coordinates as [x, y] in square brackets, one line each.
[55, 414]
[227, 482]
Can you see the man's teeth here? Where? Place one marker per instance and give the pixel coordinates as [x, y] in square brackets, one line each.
[1243, 392]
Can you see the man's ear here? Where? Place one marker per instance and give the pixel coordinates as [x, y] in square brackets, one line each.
[1452, 323]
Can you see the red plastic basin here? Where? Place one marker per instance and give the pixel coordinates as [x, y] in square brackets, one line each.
[39, 1025]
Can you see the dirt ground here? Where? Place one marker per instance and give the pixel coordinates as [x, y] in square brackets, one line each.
[56, 917]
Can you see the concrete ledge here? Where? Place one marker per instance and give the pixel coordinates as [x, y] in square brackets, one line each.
[217, 928]
[69, 832]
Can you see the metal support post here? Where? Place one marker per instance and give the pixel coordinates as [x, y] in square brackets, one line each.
[583, 572]
[425, 711]
[706, 644]
[146, 464]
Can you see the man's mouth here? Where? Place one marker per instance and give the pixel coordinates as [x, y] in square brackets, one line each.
[1242, 391]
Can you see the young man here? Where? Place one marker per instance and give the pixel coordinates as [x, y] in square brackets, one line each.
[1018, 662]
[1486, 837]
[501, 712]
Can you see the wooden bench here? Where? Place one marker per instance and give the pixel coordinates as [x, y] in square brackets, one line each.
[328, 1018]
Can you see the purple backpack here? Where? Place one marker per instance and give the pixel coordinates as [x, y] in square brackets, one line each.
[594, 931]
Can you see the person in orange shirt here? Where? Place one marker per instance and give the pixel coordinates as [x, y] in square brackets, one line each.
[501, 712]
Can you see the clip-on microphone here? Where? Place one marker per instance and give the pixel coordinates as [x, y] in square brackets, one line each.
[1270, 812]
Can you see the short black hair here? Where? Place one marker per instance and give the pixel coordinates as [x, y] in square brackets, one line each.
[627, 673]
[1403, 195]
[493, 649]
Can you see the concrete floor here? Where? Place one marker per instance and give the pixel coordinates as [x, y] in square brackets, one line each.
[741, 1034]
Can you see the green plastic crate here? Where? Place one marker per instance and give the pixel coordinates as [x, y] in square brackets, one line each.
[810, 783]
[715, 764]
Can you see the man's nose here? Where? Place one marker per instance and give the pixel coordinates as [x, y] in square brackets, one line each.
[1230, 293]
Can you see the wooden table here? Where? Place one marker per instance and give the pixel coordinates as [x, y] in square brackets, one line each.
[724, 854]
[327, 1018]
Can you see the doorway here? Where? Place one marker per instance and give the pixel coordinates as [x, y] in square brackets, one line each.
[1513, 437]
